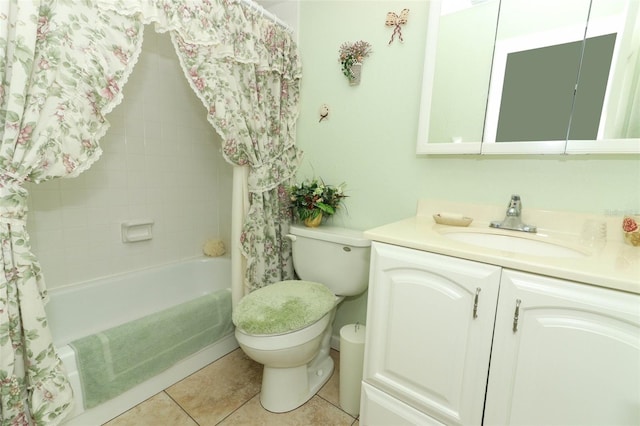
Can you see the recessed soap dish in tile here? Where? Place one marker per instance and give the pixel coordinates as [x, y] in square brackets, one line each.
[137, 230]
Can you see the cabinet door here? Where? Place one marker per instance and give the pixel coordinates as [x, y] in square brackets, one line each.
[380, 409]
[427, 344]
[572, 357]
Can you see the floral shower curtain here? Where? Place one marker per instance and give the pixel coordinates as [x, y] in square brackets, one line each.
[62, 66]
[254, 106]
[60, 72]
[246, 71]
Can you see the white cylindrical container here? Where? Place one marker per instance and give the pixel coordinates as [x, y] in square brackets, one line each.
[351, 363]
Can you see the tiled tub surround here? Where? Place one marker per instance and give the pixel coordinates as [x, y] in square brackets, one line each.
[160, 161]
[99, 311]
[613, 265]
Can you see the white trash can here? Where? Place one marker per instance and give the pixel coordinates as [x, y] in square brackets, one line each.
[351, 363]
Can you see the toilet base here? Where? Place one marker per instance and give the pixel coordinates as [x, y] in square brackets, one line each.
[285, 389]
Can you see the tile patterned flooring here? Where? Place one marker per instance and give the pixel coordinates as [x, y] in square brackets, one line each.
[227, 392]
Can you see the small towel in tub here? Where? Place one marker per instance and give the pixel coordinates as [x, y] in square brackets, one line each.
[122, 357]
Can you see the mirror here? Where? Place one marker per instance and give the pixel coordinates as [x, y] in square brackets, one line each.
[619, 124]
[541, 88]
[535, 70]
[457, 72]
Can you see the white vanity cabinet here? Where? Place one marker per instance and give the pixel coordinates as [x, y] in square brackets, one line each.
[429, 326]
[571, 358]
[538, 350]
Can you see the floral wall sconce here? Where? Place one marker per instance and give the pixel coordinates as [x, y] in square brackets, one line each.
[351, 57]
[394, 20]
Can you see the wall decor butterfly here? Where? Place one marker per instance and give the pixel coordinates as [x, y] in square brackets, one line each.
[394, 20]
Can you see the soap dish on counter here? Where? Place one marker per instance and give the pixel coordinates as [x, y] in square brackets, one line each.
[452, 219]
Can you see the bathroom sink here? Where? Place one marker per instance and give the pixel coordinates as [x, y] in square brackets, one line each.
[523, 244]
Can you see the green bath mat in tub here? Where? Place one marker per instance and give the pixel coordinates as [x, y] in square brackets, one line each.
[122, 357]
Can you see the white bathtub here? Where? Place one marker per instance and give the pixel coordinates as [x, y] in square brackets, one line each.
[83, 309]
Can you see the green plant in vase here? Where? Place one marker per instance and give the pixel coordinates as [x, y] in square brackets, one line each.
[312, 200]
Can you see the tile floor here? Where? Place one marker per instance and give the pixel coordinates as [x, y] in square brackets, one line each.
[227, 392]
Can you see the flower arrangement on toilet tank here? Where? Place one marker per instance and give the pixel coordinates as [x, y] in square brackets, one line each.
[313, 199]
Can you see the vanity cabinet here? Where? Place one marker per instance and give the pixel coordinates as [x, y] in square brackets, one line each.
[429, 325]
[571, 358]
[452, 341]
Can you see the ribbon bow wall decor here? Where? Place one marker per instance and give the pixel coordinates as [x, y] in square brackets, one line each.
[394, 20]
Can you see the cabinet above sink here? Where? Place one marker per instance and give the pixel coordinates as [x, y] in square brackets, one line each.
[489, 90]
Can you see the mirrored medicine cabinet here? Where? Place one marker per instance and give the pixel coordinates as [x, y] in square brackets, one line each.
[531, 77]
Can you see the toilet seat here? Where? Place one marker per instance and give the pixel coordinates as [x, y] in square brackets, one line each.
[283, 307]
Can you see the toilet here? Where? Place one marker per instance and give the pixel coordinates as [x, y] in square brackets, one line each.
[287, 326]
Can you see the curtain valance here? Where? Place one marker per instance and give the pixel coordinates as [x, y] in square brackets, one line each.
[228, 28]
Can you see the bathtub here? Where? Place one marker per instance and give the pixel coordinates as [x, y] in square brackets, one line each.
[87, 308]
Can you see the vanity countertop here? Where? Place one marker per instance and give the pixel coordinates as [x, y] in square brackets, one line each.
[612, 264]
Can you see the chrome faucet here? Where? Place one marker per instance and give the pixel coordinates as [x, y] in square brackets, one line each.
[512, 220]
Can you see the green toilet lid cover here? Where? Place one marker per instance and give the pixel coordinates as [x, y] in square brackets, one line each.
[283, 307]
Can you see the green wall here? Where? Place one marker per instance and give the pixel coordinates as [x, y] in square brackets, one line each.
[369, 138]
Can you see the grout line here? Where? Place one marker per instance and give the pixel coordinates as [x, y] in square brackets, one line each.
[335, 405]
[184, 410]
[181, 407]
[239, 407]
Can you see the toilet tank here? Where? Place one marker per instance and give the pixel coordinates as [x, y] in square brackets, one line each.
[333, 256]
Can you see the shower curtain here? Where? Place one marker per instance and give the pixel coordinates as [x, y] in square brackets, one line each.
[246, 71]
[63, 64]
[252, 101]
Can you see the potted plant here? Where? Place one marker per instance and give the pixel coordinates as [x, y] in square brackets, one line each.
[313, 199]
[351, 57]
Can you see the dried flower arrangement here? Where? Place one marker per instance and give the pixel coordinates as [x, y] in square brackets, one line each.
[352, 53]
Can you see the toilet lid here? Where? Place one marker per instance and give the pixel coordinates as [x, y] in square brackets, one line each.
[283, 307]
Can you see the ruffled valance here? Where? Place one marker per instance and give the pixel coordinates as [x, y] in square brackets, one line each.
[228, 28]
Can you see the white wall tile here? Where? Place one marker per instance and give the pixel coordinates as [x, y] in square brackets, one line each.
[161, 160]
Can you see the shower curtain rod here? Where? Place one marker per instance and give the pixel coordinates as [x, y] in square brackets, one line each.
[252, 4]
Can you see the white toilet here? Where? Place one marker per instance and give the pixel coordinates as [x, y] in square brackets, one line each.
[287, 325]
